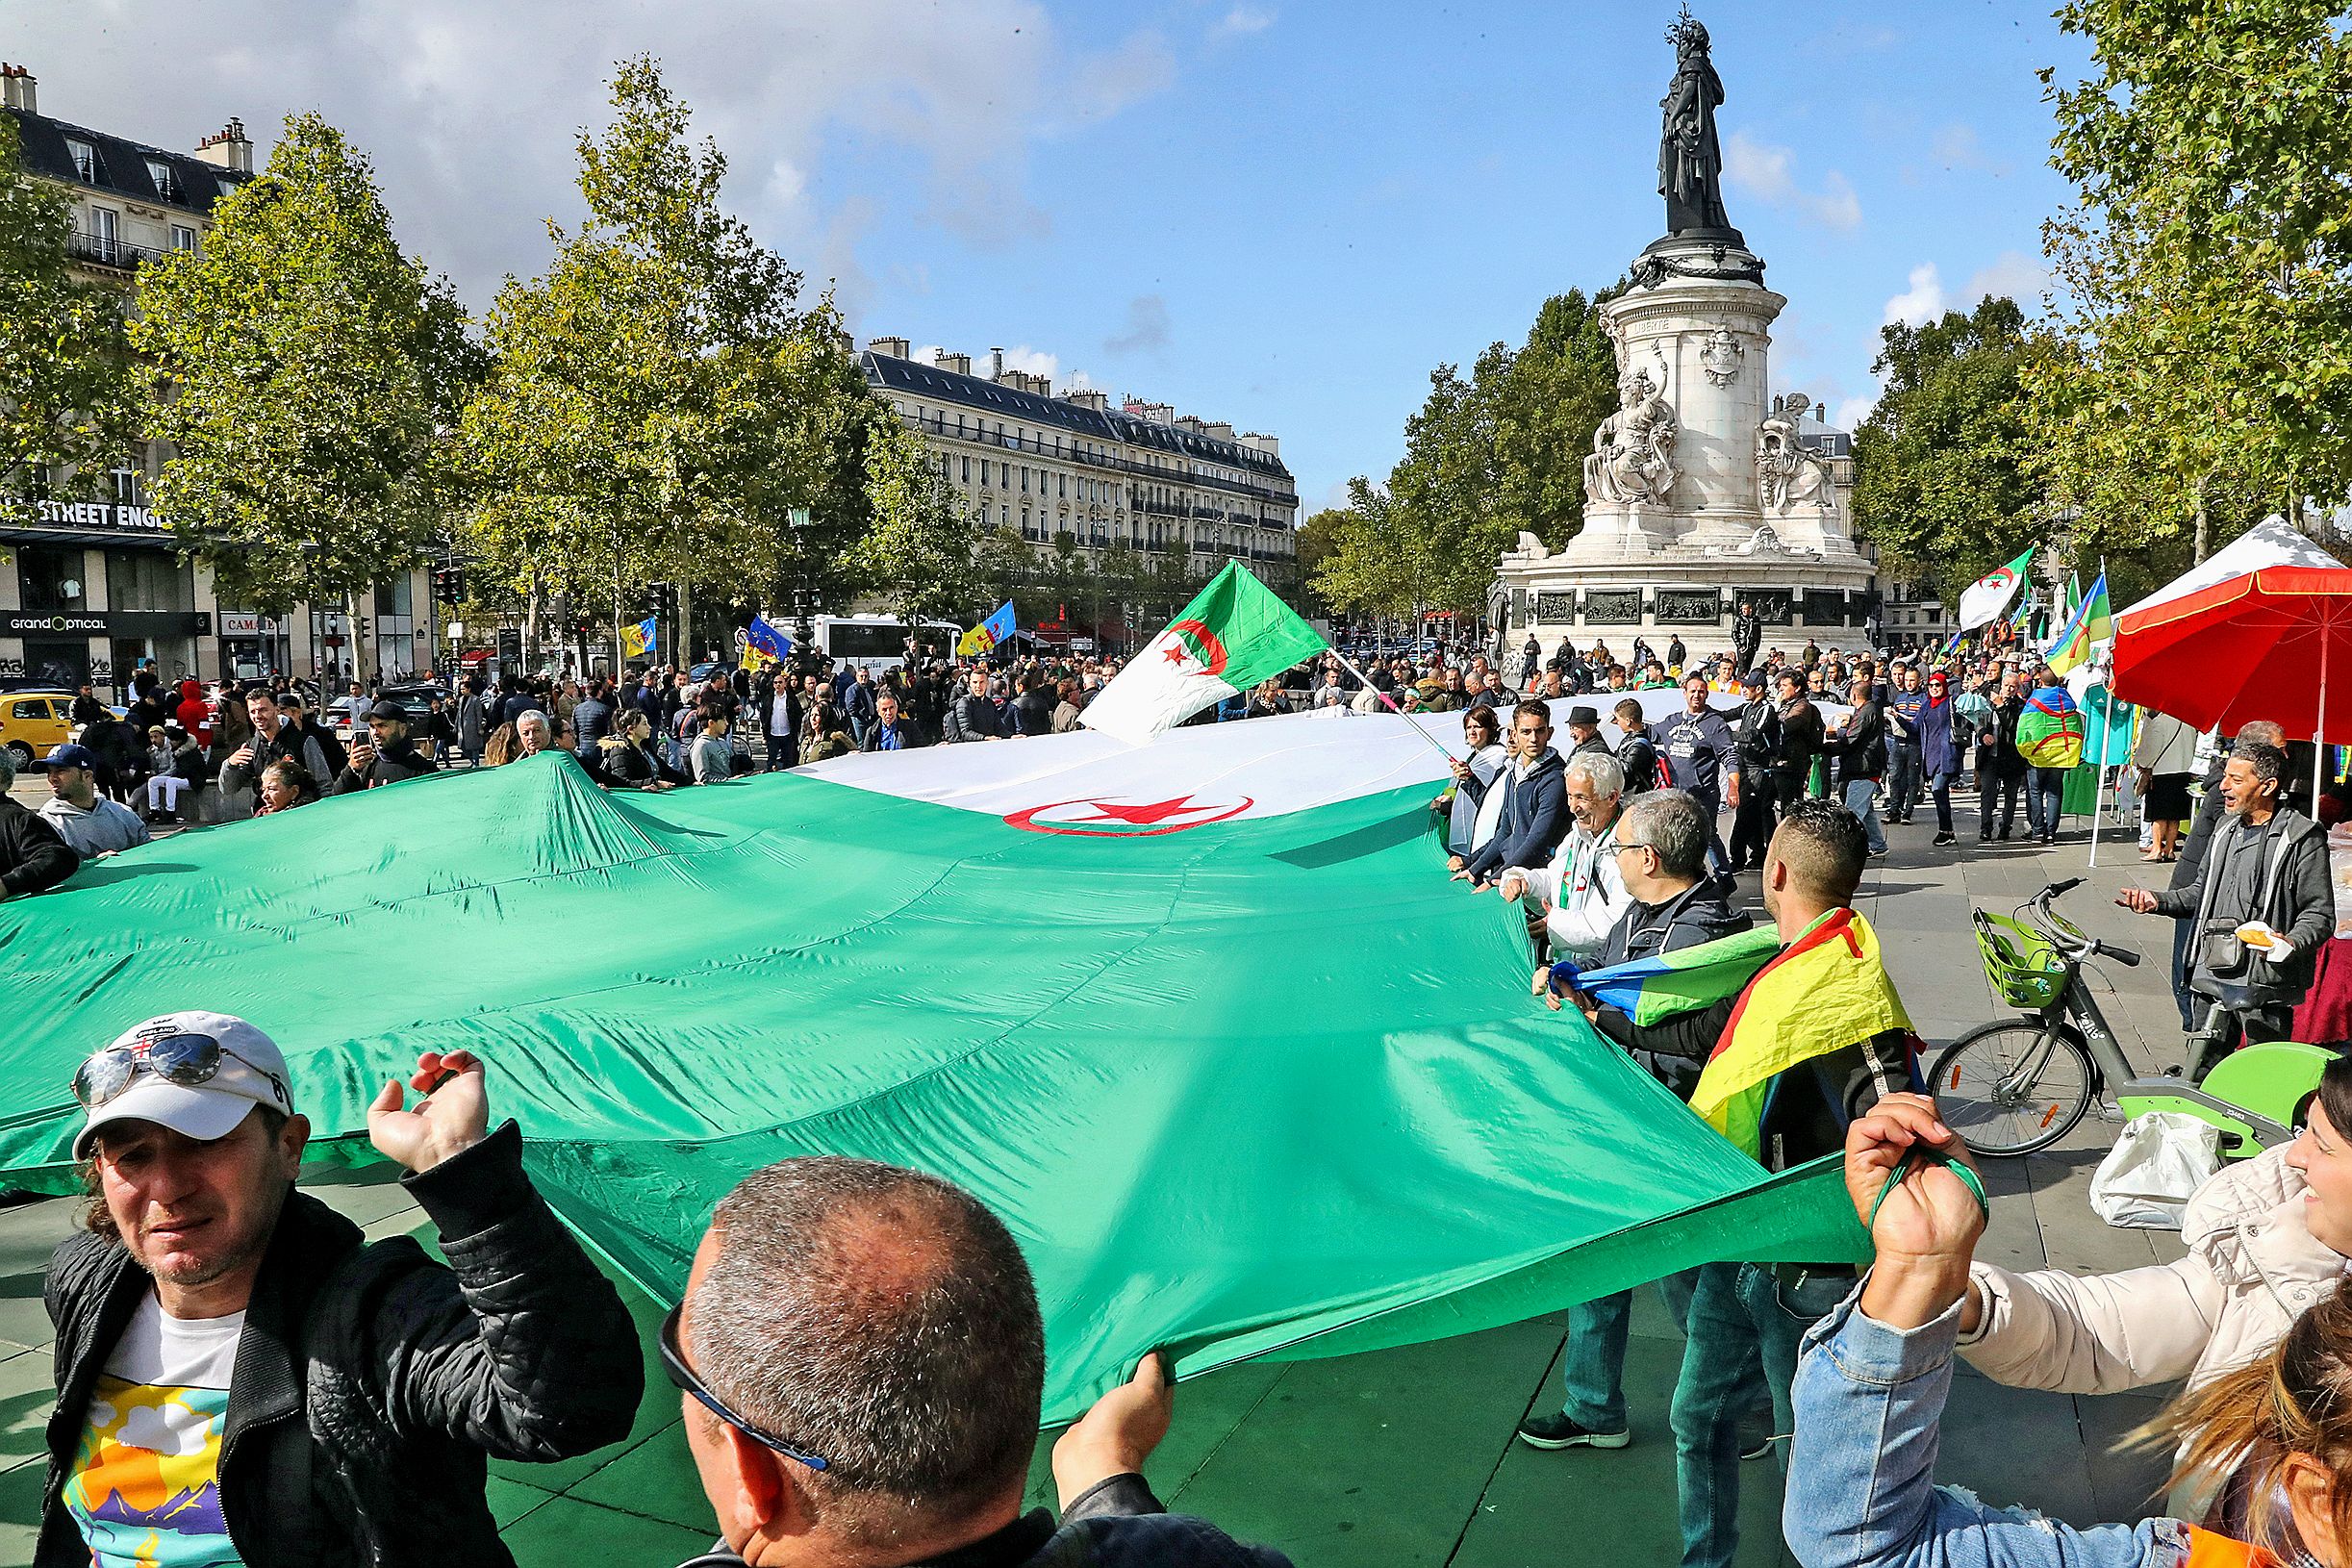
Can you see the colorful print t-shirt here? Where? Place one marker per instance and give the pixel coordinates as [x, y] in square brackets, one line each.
[145, 1486]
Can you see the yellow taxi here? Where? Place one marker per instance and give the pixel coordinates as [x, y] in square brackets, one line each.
[31, 723]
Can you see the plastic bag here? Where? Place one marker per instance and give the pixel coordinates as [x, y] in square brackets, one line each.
[2157, 1161]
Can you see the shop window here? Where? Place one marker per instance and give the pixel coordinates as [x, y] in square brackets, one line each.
[49, 579]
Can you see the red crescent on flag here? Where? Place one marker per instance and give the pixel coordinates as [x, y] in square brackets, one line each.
[1212, 651]
[1026, 820]
[1998, 577]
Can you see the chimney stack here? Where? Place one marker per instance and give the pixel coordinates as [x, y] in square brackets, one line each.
[995, 365]
[228, 148]
[16, 84]
[897, 348]
[960, 363]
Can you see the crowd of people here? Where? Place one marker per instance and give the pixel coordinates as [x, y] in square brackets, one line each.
[858, 1347]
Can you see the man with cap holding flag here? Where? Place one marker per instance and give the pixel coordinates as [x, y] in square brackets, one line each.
[242, 1377]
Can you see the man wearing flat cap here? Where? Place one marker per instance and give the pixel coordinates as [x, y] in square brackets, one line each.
[242, 1377]
[388, 756]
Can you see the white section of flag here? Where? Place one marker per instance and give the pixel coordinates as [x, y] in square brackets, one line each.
[1160, 687]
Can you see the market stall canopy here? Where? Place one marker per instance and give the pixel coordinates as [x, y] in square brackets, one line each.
[2272, 643]
[2270, 543]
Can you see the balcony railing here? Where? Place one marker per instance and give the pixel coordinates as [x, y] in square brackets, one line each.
[99, 250]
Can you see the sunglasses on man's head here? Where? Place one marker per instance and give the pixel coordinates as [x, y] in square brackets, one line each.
[188, 1060]
[674, 1364]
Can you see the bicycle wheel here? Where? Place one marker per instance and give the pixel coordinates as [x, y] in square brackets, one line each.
[1974, 1082]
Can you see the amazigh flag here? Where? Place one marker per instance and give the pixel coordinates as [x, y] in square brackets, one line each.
[2050, 730]
[1828, 991]
[763, 637]
[1209, 1126]
[1647, 989]
[987, 634]
[2091, 623]
[1981, 601]
[1232, 635]
[636, 641]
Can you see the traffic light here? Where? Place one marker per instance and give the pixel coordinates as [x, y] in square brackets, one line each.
[449, 584]
[662, 601]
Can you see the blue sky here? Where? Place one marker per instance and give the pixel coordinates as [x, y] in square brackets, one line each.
[1276, 212]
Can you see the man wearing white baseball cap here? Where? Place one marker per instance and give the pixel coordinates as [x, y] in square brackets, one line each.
[242, 1377]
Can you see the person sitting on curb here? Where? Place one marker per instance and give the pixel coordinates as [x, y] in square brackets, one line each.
[862, 1360]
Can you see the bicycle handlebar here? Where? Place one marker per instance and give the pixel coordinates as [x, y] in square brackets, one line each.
[2121, 956]
[2057, 888]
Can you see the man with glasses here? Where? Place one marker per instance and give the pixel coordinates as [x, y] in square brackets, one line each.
[1659, 844]
[242, 1377]
[1577, 900]
[862, 1362]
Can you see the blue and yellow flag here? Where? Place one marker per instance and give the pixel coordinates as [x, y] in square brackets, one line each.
[2092, 623]
[988, 633]
[637, 642]
[764, 635]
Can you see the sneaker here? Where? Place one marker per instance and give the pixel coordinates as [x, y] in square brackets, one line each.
[1557, 1432]
[1947, 838]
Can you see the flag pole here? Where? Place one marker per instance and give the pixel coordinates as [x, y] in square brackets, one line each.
[1437, 745]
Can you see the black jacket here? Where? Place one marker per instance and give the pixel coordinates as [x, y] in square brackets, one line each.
[33, 858]
[1115, 1524]
[1758, 742]
[372, 1384]
[398, 761]
[1801, 741]
[970, 719]
[623, 767]
[1697, 914]
[1861, 748]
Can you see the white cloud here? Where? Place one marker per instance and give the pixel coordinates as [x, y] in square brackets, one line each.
[2012, 275]
[470, 110]
[1851, 412]
[1034, 362]
[1768, 173]
[1147, 327]
[1956, 146]
[1242, 21]
[1922, 302]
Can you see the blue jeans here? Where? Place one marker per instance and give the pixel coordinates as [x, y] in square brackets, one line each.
[1861, 797]
[1941, 787]
[1720, 1371]
[2045, 795]
[1904, 769]
[1783, 1314]
[1592, 1364]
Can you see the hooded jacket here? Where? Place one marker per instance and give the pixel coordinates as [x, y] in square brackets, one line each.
[1534, 817]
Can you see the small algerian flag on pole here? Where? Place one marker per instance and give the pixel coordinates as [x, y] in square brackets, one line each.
[1232, 635]
[1981, 601]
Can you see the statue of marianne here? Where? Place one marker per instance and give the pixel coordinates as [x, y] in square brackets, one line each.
[1689, 155]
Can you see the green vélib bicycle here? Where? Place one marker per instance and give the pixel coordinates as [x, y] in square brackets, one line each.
[2019, 1084]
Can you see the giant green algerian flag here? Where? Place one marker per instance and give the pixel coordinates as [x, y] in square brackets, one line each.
[1233, 634]
[1203, 1020]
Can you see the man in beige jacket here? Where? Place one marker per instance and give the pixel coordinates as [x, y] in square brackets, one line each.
[2267, 1239]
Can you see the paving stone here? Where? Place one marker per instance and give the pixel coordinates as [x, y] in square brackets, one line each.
[28, 1389]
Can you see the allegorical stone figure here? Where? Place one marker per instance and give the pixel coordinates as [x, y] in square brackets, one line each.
[1689, 155]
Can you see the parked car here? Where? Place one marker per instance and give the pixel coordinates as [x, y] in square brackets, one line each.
[31, 723]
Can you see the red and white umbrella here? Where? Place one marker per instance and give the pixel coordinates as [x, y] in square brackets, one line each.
[2263, 646]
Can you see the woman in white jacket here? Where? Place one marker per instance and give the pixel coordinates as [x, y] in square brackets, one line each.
[2268, 1239]
[1481, 734]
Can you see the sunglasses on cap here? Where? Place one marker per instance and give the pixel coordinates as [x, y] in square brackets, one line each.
[674, 1364]
[188, 1060]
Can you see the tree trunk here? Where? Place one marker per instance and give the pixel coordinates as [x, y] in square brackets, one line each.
[2203, 538]
[530, 627]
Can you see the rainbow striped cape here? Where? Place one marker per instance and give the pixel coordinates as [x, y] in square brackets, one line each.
[1647, 989]
[1827, 991]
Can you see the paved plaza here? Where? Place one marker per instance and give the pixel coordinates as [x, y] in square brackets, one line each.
[1404, 1458]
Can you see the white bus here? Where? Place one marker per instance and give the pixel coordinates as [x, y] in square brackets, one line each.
[876, 642]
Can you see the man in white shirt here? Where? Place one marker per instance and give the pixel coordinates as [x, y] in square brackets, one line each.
[1581, 893]
[90, 825]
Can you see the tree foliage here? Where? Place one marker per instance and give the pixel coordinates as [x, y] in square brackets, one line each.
[662, 409]
[921, 558]
[1940, 481]
[66, 396]
[2206, 268]
[304, 369]
[1486, 458]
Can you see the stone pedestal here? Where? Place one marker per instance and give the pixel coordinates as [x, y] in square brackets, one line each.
[1705, 489]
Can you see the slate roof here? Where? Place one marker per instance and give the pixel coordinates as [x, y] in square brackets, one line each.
[918, 380]
[121, 164]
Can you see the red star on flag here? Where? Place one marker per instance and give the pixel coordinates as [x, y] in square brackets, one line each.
[1174, 654]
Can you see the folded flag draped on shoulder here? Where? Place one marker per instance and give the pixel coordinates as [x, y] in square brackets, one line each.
[1826, 992]
[2092, 622]
[987, 634]
[2050, 730]
[636, 642]
[1981, 601]
[1648, 990]
[1230, 636]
